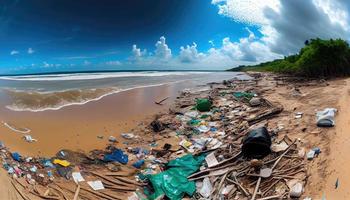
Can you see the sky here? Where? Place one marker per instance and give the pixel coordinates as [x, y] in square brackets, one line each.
[39, 36]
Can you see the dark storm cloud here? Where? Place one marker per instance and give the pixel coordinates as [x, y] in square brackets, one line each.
[297, 21]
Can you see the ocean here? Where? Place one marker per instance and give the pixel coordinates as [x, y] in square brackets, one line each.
[43, 92]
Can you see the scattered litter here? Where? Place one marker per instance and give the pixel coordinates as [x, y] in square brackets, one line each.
[282, 146]
[138, 164]
[77, 177]
[298, 115]
[96, 185]
[207, 188]
[203, 105]
[257, 143]
[211, 160]
[29, 138]
[128, 135]
[337, 183]
[325, 118]
[296, 188]
[112, 139]
[255, 101]
[116, 156]
[23, 130]
[63, 163]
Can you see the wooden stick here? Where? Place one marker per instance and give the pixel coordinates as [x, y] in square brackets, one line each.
[256, 188]
[76, 194]
[270, 197]
[161, 101]
[19, 191]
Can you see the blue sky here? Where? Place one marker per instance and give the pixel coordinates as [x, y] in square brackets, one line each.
[63, 35]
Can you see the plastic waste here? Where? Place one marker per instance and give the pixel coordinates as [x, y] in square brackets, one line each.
[63, 163]
[118, 156]
[257, 143]
[310, 155]
[112, 139]
[16, 156]
[325, 118]
[203, 129]
[207, 188]
[138, 164]
[241, 95]
[296, 188]
[255, 101]
[173, 182]
[77, 177]
[29, 138]
[192, 114]
[96, 185]
[157, 126]
[64, 171]
[128, 135]
[203, 105]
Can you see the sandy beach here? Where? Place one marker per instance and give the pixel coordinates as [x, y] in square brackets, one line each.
[79, 128]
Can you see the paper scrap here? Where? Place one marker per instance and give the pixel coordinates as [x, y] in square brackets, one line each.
[77, 177]
[96, 185]
[211, 160]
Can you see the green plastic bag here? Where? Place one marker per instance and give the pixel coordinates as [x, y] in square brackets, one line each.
[240, 95]
[203, 105]
[173, 182]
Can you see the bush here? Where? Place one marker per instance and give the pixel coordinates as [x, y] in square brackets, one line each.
[319, 58]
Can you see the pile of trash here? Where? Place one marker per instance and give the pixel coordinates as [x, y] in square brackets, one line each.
[212, 144]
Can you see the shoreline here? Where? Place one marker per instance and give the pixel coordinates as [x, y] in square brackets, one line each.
[109, 116]
[87, 101]
[294, 97]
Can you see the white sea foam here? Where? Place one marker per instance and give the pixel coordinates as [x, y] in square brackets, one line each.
[63, 104]
[91, 76]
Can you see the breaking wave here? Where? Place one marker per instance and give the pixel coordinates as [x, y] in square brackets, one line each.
[91, 76]
[35, 101]
[41, 101]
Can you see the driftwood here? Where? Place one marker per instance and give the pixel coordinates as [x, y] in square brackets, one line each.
[266, 115]
[76, 194]
[19, 191]
[161, 101]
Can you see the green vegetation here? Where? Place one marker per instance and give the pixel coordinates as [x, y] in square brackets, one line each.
[318, 58]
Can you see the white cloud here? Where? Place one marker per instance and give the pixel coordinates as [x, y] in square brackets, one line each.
[162, 50]
[137, 54]
[14, 52]
[30, 51]
[190, 54]
[246, 11]
[285, 25]
[247, 50]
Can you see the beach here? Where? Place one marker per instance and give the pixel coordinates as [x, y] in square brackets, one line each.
[86, 127]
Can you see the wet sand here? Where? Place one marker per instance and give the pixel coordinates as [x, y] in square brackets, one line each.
[77, 127]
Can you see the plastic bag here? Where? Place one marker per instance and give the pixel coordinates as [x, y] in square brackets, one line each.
[325, 118]
[117, 155]
[257, 143]
[173, 182]
[203, 105]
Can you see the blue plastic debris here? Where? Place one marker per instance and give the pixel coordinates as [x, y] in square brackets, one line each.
[16, 156]
[138, 164]
[118, 156]
[317, 150]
